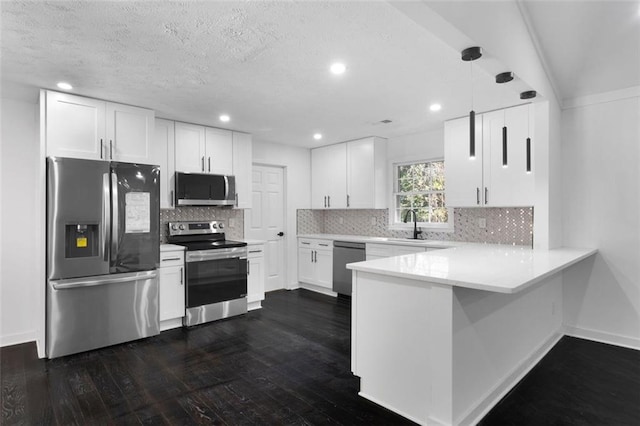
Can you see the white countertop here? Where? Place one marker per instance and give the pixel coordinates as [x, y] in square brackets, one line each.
[385, 240]
[170, 247]
[489, 267]
[254, 242]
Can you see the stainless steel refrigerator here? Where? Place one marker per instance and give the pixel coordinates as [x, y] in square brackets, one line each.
[103, 250]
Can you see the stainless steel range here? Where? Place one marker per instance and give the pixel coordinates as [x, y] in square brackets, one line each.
[216, 271]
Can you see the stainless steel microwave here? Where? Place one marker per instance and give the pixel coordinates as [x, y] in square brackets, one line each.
[199, 189]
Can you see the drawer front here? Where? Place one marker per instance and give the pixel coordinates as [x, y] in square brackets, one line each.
[171, 258]
[315, 244]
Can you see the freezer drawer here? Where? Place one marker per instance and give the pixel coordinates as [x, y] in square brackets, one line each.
[94, 312]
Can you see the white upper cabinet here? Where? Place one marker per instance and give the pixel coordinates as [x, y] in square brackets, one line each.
[201, 149]
[129, 132]
[162, 154]
[329, 176]
[366, 173]
[190, 148]
[75, 126]
[497, 176]
[219, 150]
[349, 175]
[242, 170]
[92, 129]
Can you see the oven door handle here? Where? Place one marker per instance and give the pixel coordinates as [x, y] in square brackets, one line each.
[207, 255]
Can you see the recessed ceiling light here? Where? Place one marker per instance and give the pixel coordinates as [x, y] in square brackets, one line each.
[225, 118]
[317, 136]
[435, 107]
[338, 68]
[64, 86]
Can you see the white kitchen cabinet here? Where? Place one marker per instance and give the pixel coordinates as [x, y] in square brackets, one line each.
[242, 168]
[162, 154]
[329, 177]
[349, 175]
[172, 289]
[190, 148]
[219, 151]
[366, 173]
[484, 180]
[92, 129]
[255, 275]
[315, 264]
[201, 149]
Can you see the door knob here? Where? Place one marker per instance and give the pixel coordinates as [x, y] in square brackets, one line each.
[280, 234]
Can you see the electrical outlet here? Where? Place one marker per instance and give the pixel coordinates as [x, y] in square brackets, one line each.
[482, 222]
[232, 223]
[373, 220]
[340, 220]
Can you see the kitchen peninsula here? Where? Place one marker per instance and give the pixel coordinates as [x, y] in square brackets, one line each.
[439, 337]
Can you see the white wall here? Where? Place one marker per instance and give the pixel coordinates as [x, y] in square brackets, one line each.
[420, 146]
[297, 162]
[20, 262]
[600, 150]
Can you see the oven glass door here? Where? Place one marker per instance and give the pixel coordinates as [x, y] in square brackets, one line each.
[216, 280]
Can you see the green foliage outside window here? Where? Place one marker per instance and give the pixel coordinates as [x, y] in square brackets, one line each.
[420, 186]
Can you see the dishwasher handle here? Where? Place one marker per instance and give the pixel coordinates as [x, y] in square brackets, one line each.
[349, 244]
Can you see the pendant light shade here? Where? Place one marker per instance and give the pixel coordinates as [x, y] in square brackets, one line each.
[528, 155]
[472, 134]
[504, 147]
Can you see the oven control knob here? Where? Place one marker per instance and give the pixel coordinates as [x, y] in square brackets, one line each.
[221, 226]
[174, 227]
[182, 227]
[214, 225]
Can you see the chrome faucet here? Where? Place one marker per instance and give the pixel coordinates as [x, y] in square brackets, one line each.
[415, 222]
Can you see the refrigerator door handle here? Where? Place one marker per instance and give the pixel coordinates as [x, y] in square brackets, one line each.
[106, 216]
[79, 283]
[114, 214]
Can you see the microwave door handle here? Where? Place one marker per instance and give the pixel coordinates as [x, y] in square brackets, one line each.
[226, 187]
[115, 215]
[106, 216]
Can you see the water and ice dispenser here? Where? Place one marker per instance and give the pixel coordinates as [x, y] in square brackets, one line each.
[82, 240]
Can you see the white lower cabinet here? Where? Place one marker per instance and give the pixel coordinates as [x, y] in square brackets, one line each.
[255, 276]
[172, 288]
[315, 264]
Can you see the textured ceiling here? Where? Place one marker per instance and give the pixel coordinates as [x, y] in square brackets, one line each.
[264, 63]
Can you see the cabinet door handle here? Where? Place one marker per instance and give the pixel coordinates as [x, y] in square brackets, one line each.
[486, 195]
[209, 160]
[478, 195]
[256, 251]
[325, 201]
[171, 198]
[181, 274]
[101, 148]
[248, 268]
[329, 201]
[203, 163]
[304, 242]
[236, 199]
[311, 256]
[171, 258]
[348, 201]
[110, 149]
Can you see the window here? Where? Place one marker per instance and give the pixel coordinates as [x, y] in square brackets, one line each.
[419, 186]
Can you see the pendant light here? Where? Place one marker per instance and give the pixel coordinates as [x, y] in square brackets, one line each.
[504, 141]
[528, 169]
[470, 54]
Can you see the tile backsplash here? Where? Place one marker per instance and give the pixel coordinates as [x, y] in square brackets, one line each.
[513, 225]
[235, 232]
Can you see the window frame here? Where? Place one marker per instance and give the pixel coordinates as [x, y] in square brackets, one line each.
[427, 226]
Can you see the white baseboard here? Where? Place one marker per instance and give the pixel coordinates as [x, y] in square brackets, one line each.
[318, 289]
[18, 338]
[170, 324]
[481, 409]
[603, 337]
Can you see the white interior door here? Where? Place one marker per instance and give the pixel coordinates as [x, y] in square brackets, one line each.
[265, 221]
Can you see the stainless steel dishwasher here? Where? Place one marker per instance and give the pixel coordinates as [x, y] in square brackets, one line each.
[345, 252]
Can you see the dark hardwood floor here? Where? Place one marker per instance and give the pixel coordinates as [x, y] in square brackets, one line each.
[288, 363]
